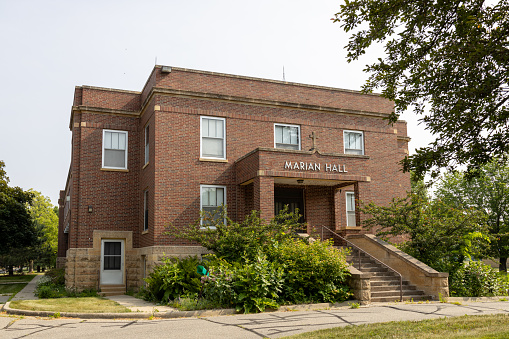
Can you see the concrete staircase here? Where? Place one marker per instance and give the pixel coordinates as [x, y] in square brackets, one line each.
[108, 290]
[385, 286]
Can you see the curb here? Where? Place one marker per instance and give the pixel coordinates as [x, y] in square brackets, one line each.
[169, 315]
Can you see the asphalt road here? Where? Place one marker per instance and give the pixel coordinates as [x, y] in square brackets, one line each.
[271, 325]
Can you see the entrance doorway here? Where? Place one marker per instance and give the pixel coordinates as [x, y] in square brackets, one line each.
[293, 197]
[112, 262]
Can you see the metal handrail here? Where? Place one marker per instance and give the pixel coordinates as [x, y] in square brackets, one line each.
[359, 250]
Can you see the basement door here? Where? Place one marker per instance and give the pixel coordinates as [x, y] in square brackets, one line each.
[112, 262]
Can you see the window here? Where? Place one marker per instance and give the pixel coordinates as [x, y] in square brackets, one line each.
[147, 144]
[354, 142]
[212, 198]
[213, 144]
[114, 149]
[112, 255]
[350, 209]
[145, 211]
[287, 136]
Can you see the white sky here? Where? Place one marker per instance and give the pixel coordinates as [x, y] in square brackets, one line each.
[49, 47]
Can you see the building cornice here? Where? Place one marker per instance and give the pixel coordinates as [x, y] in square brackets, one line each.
[255, 102]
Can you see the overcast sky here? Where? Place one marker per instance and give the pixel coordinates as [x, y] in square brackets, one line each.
[49, 47]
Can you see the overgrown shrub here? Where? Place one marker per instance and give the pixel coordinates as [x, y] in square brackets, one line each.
[313, 272]
[475, 279]
[233, 240]
[250, 286]
[52, 285]
[172, 279]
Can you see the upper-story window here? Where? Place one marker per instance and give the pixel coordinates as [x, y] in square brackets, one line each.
[212, 200]
[213, 138]
[147, 148]
[287, 136]
[354, 142]
[114, 149]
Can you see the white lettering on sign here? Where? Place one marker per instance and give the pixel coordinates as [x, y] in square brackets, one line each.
[313, 166]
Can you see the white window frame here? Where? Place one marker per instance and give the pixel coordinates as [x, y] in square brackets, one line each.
[201, 202]
[287, 125]
[104, 147]
[145, 210]
[347, 194]
[147, 144]
[344, 141]
[201, 137]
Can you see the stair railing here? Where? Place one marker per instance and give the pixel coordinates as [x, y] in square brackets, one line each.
[359, 250]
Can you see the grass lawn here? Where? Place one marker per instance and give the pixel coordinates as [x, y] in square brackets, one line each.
[81, 305]
[16, 277]
[11, 288]
[483, 326]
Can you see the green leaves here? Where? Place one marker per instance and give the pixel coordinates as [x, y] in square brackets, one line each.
[446, 61]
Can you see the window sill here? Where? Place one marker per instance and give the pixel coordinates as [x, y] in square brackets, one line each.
[115, 170]
[213, 160]
[144, 232]
[145, 165]
[353, 227]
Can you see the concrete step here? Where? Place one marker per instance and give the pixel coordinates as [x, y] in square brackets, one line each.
[395, 293]
[392, 288]
[108, 290]
[405, 298]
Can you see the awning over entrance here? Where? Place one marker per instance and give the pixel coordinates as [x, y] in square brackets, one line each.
[266, 173]
[291, 167]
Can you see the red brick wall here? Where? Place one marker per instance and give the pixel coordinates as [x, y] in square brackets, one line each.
[174, 173]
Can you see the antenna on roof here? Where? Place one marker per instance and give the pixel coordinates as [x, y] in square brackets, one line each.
[155, 62]
[284, 73]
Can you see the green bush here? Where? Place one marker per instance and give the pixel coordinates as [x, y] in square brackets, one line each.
[172, 279]
[251, 286]
[475, 279]
[315, 272]
[52, 285]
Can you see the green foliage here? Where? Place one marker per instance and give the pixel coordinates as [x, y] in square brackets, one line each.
[233, 240]
[446, 60]
[475, 279]
[256, 265]
[439, 234]
[45, 220]
[52, 285]
[313, 272]
[250, 286]
[487, 192]
[16, 227]
[172, 279]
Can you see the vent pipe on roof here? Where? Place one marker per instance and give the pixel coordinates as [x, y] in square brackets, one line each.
[166, 69]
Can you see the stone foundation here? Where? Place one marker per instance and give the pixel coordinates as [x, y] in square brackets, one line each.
[82, 265]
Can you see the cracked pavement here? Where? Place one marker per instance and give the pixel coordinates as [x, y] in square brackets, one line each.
[271, 324]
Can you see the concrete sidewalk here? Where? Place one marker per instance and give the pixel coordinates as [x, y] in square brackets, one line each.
[28, 292]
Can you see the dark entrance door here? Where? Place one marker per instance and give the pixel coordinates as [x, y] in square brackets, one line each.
[293, 197]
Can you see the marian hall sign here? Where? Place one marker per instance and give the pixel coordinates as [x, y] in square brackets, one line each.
[313, 166]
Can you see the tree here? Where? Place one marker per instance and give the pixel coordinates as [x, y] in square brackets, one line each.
[437, 233]
[448, 57]
[488, 192]
[17, 231]
[45, 219]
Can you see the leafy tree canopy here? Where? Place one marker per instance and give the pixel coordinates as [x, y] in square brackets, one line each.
[437, 233]
[45, 219]
[16, 228]
[487, 192]
[446, 60]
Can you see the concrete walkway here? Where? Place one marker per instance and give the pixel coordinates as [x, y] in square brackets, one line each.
[27, 293]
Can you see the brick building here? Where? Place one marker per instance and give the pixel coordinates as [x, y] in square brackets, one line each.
[193, 140]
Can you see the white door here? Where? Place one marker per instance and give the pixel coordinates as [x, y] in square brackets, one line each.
[112, 262]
